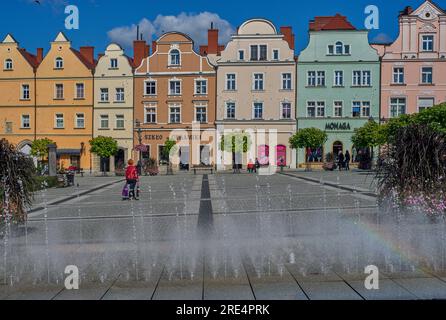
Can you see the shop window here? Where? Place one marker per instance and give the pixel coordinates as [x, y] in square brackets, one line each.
[314, 154]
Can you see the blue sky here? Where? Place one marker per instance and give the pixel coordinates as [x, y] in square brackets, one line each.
[102, 21]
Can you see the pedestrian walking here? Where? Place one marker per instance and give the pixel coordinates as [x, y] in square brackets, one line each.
[131, 175]
[340, 160]
[347, 160]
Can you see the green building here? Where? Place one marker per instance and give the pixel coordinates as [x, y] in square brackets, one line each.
[338, 86]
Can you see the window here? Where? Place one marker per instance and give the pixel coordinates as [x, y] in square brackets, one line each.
[120, 95]
[259, 52]
[427, 43]
[347, 49]
[426, 75]
[201, 87]
[8, 64]
[120, 121]
[361, 109]
[397, 107]
[104, 121]
[258, 82]
[338, 78]
[174, 114]
[258, 110]
[59, 121]
[320, 109]
[58, 64]
[330, 49]
[59, 91]
[80, 92]
[339, 48]
[356, 109]
[174, 87]
[174, 57]
[25, 121]
[241, 55]
[320, 79]
[362, 78]
[398, 75]
[311, 78]
[286, 81]
[366, 78]
[114, 63]
[365, 110]
[150, 88]
[254, 53]
[263, 53]
[425, 103]
[230, 110]
[25, 92]
[311, 109]
[80, 121]
[150, 114]
[337, 109]
[276, 55]
[231, 82]
[201, 114]
[104, 94]
[286, 110]
[356, 78]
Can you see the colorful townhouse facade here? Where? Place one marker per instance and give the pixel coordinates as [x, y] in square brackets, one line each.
[414, 65]
[338, 86]
[64, 101]
[175, 99]
[18, 94]
[256, 93]
[113, 106]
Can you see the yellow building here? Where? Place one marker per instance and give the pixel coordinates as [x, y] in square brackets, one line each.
[64, 101]
[17, 93]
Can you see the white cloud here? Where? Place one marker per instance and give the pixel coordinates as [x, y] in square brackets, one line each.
[194, 25]
[382, 38]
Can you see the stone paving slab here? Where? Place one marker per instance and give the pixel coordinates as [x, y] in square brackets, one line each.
[174, 286]
[89, 291]
[41, 292]
[424, 288]
[388, 290]
[329, 290]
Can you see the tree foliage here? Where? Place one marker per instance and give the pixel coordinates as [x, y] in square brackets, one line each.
[104, 147]
[370, 135]
[235, 142]
[39, 148]
[170, 147]
[308, 138]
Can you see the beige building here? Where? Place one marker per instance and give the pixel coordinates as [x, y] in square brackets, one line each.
[256, 90]
[113, 105]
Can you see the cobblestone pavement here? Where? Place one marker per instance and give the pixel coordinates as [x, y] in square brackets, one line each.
[294, 235]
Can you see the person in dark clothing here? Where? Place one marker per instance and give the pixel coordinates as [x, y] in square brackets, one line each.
[257, 165]
[340, 160]
[347, 160]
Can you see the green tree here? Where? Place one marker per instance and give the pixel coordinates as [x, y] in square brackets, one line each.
[104, 147]
[39, 148]
[170, 147]
[370, 135]
[308, 138]
[235, 142]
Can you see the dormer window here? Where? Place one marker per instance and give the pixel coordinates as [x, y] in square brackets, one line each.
[174, 57]
[114, 63]
[427, 43]
[339, 47]
[8, 64]
[276, 55]
[59, 63]
[259, 52]
[241, 55]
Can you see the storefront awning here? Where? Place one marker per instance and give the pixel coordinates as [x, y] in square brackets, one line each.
[68, 152]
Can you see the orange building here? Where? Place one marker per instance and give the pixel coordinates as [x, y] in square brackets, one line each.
[64, 101]
[175, 89]
[17, 93]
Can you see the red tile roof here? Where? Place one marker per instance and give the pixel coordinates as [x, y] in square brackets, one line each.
[32, 59]
[84, 60]
[336, 22]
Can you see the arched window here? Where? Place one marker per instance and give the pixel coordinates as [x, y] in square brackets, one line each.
[339, 47]
[8, 64]
[338, 146]
[59, 63]
[174, 57]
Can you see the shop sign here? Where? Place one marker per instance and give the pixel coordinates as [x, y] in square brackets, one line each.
[333, 126]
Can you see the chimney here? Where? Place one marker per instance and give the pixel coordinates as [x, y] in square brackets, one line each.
[88, 54]
[153, 46]
[147, 53]
[39, 55]
[212, 40]
[288, 36]
[139, 51]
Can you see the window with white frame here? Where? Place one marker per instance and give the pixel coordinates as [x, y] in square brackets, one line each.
[59, 91]
[311, 109]
[259, 52]
[25, 92]
[59, 121]
[241, 55]
[285, 112]
[276, 56]
[258, 110]
[114, 63]
[120, 96]
[150, 114]
[338, 78]
[337, 109]
[104, 121]
[320, 78]
[398, 75]
[201, 113]
[397, 107]
[339, 48]
[80, 91]
[426, 75]
[365, 109]
[175, 58]
[150, 88]
[425, 103]
[362, 78]
[120, 121]
[25, 123]
[80, 121]
[201, 86]
[230, 110]
[58, 63]
[427, 43]
[174, 87]
[8, 64]
[104, 95]
[320, 109]
[258, 82]
[311, 78]
[356, 109]
[174, 114]
[366, 78]
[286, 81]
[361, 109]
[231, 84]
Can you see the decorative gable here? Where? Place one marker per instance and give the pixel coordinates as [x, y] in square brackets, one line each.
[428, 11]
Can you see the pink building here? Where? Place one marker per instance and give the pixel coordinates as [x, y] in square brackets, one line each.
[414, 66]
